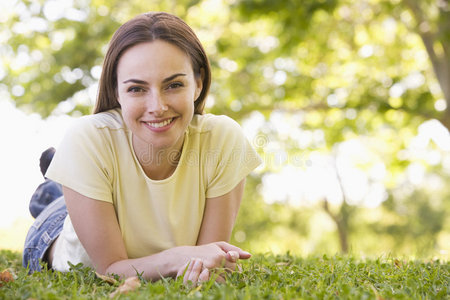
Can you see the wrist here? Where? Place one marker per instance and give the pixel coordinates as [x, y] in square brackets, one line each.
[173, 259]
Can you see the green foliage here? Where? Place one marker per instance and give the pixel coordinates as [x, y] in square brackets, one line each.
[63, 53]
[333, 66]
[263, 277]
[290, 14]
[415, 222]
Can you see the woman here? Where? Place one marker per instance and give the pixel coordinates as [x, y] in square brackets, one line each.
[151, 185]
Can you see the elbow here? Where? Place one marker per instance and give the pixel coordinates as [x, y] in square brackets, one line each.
[113, 268]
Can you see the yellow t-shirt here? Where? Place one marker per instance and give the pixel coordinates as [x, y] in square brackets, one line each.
[97, 160]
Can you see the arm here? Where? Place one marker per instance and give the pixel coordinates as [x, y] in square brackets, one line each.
[220, 215]
[97, 228]
[217, 225]
[218, 222]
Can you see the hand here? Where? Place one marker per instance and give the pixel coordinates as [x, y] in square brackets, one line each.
[211, 256]
[220, 255]
[193, 272]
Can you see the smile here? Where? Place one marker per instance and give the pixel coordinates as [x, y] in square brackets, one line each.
[160, 124]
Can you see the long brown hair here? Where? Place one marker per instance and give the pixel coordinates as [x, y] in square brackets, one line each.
[146, 28]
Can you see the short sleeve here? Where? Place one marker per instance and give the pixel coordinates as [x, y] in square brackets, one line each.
[234, 157]
[82, 161]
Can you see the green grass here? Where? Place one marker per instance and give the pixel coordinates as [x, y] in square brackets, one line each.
[263, 277]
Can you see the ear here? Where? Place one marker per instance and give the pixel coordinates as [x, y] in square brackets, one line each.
[199, 83]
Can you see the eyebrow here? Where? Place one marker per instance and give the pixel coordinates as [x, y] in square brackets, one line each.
[164, 81]
[173, 77]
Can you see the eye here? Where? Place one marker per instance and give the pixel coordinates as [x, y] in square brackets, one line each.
[174, 85]
[135, 89]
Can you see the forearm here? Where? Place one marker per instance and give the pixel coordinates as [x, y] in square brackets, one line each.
[220, 215]
[152, 267]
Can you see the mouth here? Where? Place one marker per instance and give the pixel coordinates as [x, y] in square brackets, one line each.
[160, 124]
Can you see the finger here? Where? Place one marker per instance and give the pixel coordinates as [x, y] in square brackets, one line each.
[197, 266]
[229, 266]
[228, 247]
[232, 256]
[244, 254]
[204, 275]
[239, 268]
[220, 279]
[188, 271]
[183, 270]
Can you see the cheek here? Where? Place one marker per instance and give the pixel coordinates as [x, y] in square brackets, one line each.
[119, 97]
[198, 91]
[128, 109]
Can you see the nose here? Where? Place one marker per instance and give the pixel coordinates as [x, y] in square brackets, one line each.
[156, 103]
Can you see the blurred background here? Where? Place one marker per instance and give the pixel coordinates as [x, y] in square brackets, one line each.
[347, 102]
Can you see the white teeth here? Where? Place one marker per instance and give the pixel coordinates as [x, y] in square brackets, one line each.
[161, 124]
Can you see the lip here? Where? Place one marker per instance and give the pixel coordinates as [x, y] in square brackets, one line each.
[160, 129]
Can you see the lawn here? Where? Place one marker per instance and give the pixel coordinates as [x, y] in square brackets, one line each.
[263, 277]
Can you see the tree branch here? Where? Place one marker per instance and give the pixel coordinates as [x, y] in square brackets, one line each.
[428, 37]
[440, 63]
[326, 208]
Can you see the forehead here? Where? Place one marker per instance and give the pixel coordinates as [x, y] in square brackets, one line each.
[152, 58]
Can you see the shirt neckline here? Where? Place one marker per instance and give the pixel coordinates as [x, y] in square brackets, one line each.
[180, 162]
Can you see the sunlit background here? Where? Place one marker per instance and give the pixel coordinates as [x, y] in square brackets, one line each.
[344, 108]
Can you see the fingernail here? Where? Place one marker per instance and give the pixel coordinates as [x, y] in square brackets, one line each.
[234, 255]
[198, 262]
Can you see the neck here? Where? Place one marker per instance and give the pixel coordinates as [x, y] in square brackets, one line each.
[158, 164]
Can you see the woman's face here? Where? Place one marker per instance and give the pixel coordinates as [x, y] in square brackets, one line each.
[156, 90]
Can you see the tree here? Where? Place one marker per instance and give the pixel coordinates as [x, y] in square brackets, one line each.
[340, 31]
[325, 56]
[432, 24]
[339, 69]
[53, 52]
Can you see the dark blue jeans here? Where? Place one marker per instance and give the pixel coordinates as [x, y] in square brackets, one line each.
[48, 207]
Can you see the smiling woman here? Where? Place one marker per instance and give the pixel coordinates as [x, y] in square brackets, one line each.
[150, 184]
[157, 89]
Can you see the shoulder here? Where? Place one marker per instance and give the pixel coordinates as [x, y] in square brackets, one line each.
[111, 119]
[217, 133]
[94, 127]
[215, 124]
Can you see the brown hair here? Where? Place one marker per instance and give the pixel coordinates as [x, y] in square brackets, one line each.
[146, 28]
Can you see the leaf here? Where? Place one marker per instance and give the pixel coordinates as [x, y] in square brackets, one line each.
[130, 284]
[106, 278]
[5, 276]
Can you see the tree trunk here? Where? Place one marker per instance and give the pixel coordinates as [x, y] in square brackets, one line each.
[341, 221]
[437, 45]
